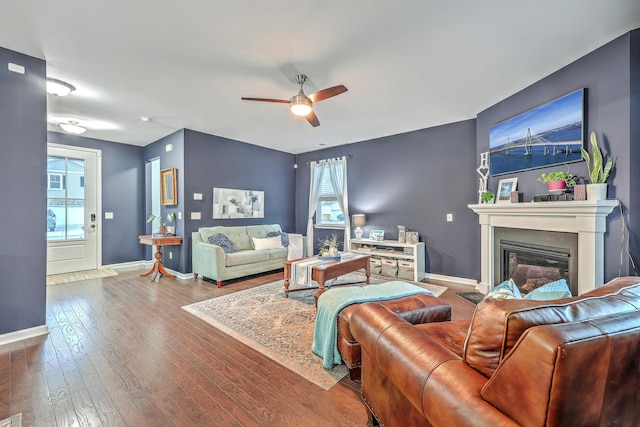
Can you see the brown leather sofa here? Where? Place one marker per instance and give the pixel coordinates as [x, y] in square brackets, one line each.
[568, 362]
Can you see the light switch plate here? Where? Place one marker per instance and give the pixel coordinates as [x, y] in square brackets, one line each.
[195, 215]
[197, 196]
[108, 215]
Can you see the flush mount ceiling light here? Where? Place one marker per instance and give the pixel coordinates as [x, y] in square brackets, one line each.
[58, 87]
[72, 127]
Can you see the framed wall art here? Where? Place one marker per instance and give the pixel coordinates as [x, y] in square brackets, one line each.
[229, 203]
[505, 187]
[168, 188]
[547, 135]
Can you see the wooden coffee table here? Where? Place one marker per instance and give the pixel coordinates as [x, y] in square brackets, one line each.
[328, 270]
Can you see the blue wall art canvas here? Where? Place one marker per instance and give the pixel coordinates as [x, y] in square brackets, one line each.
[230, 203]
[544, 136]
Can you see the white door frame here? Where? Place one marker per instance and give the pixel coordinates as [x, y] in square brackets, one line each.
[98, 191]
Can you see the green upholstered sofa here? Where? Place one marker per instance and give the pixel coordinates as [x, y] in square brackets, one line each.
[211, 261]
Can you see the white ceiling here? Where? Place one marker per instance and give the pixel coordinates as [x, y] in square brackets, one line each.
[407, 64]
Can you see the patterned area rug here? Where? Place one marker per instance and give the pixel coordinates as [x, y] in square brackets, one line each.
[56, 279]
[278, 327]
[13, 421]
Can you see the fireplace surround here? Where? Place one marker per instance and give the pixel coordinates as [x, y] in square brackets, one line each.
[586, 219]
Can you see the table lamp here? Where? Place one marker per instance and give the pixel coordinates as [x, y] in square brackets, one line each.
[359, 220]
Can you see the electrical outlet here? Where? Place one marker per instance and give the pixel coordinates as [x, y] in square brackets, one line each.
[449, 217]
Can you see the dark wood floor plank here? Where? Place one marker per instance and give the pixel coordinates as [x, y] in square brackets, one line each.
[122, 351]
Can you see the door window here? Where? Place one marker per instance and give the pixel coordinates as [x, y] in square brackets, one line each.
[65, 198]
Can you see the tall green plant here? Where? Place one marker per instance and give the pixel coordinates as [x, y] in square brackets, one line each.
[598, 173]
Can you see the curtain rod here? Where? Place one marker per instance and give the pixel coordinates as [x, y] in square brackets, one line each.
[348, 156]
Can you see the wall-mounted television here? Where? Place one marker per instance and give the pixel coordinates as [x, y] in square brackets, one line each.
[547, 135]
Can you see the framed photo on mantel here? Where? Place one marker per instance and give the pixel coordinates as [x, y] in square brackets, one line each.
[505, 187]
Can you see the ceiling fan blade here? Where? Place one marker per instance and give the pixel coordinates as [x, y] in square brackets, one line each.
[266, 100]
[312, 119]
[327, 93]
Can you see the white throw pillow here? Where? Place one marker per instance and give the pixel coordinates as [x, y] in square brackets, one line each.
[267, 243]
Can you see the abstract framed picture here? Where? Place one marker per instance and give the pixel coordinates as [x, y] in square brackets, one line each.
[550, 134]
[505, 187]
[229, 203]
[168, 188]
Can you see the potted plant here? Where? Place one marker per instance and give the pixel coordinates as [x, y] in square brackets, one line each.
[487, 197]
[558, 180]
[329, 247]
[598, 170]
[171, 217]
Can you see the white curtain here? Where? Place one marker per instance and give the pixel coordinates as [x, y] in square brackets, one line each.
[317, 173]
[338, 175]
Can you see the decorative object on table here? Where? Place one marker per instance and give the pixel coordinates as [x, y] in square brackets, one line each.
[229, 203]
[530, 140]
[505, 187]
[168, 187]
[412, 237]
[483, 171]
[488, 197]
[558, 180]
[377, 235]
[163, 230]
[580, 192]
[329, 247]
[359, 220]
[598, 170]
[516, 197]
[401, 234]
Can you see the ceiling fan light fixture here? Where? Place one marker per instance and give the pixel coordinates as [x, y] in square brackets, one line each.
[58, 87]
[300, 105]
[72, 127]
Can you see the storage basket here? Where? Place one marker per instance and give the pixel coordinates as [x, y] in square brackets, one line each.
[375, 265]
[390, 267]
[406, 270]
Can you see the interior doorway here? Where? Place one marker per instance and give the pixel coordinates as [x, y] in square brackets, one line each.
[73, 209]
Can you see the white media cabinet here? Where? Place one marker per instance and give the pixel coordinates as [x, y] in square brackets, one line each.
[381, 249]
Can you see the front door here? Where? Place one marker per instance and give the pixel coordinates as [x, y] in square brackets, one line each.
[73, 214]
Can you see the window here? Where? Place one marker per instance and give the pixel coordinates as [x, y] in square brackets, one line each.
[328, 212]
[54, 181]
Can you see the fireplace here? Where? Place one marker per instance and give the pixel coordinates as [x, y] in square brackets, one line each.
[534, 258]
[585, 220]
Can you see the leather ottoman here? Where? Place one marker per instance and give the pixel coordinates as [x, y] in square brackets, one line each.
[415, 309]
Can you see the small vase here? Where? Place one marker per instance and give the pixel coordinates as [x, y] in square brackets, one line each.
[559, 184]
[333, 251]
[596, 192]
[162, 230]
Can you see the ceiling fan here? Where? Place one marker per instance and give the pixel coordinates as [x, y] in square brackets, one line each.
[301, 104]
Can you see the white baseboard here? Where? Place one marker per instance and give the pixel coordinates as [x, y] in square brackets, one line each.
[23, 334]
[146, 264]
[444, 278]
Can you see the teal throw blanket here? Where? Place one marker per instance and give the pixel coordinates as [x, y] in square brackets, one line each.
[325, 334]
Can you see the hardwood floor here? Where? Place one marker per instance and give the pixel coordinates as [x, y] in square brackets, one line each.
[121, 352]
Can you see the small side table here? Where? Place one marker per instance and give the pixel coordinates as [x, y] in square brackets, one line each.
[158, 242]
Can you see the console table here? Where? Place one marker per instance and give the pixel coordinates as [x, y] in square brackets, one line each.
[158, 242]
[394, 250]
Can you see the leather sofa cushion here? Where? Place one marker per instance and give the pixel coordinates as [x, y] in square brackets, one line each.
[245, 257]
[498, 324]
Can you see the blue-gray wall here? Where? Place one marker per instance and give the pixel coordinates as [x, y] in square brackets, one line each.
[211, 161]
[412, 179]
[122, 193]
[23, 165]
[606, 73]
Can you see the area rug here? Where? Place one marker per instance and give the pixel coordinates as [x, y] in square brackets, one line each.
[56, 279]
[12, 421]
[278, 327]
[472, 297]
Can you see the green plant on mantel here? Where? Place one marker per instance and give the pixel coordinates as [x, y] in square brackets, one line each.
[598, 170]
[568, 178]
[487, 196]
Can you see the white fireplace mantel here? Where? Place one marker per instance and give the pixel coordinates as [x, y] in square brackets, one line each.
[586, 218]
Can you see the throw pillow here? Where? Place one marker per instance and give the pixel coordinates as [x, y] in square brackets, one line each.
[267, 243]
[284, 237]
[223, 241]
[550, 291]
[505, 290]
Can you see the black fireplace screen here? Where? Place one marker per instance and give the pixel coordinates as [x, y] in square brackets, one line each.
[531, 266]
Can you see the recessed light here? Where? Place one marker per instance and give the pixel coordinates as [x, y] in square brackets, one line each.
[322, 144]
[145, 118]
[58, 87]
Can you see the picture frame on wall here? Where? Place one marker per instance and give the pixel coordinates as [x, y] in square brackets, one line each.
[168, 188]
[505, 187]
